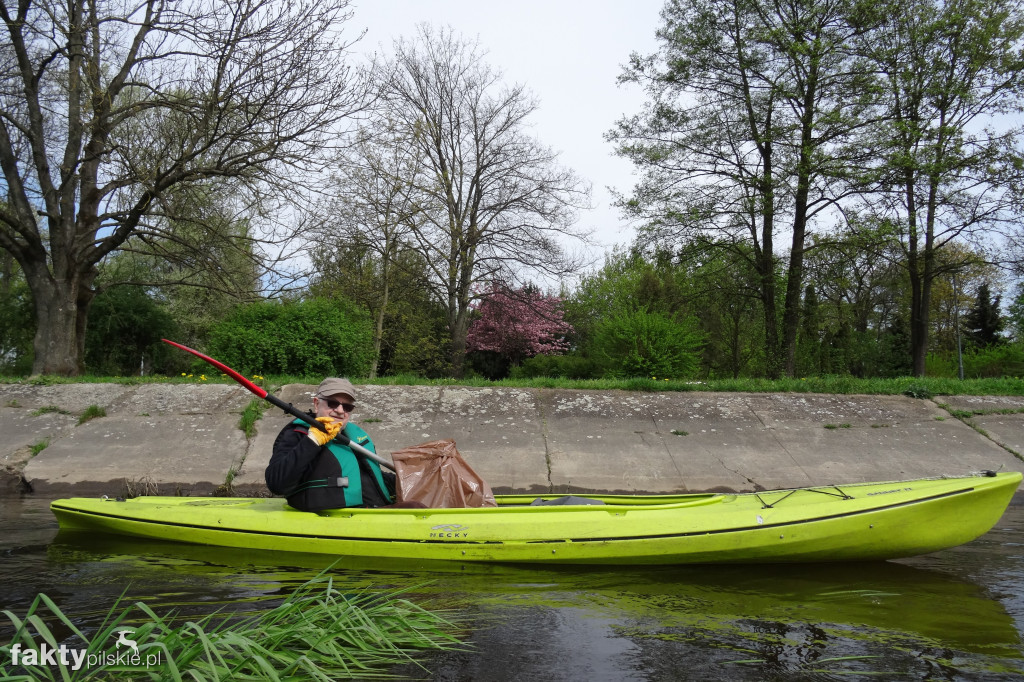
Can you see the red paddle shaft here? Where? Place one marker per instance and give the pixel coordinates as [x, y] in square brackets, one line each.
[287, 407]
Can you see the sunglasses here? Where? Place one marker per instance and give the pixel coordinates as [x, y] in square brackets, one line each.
[333, 404]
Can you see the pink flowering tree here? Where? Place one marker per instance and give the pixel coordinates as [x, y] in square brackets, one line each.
[518, 324]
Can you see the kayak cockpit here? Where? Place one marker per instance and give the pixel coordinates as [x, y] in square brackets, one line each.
[633, 501]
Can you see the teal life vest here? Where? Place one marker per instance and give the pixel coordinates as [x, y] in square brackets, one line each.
[349, 462]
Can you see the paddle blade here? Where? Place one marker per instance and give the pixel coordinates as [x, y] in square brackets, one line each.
[253, 388]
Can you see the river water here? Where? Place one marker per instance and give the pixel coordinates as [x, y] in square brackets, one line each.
[953, 615]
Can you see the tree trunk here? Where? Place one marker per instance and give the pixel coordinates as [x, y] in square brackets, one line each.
[918, 301]
[6, 272]
[919, 324]
[765, 260]
[804, 174]
[61, 307]
[794, 285]
[795, 274]
[773, 366]
[378, 333]
[922, 303]
[736, 334]
[459, 330]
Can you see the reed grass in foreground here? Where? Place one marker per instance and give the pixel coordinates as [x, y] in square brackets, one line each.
[318, 633]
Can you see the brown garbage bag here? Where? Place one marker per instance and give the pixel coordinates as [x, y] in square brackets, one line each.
[435, 474]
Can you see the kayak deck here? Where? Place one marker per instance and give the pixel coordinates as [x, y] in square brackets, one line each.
[824, 523]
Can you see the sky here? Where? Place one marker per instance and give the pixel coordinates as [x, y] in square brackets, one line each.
[568, 54]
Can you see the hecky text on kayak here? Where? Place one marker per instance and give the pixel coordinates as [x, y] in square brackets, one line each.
[450, 530]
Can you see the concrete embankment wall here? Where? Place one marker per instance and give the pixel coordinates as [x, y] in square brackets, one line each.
[185, 439]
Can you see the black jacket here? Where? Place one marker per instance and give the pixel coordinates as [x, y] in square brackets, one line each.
[297, 459]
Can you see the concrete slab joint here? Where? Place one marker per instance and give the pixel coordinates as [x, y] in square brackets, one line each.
[542, 413]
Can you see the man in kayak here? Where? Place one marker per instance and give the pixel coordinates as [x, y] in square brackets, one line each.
[314, 471]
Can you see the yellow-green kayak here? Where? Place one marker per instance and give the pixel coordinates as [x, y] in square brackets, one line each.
[828, 523]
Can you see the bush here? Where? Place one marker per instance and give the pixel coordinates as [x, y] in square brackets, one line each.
[1005, 360]
[124, 332]
[318, 337]
[488, 363]
[518, 324]
[940, 365]
[17, 325]
[919, 391]
[558, 366]
[647, 344]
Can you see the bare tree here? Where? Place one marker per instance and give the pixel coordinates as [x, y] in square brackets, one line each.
[490, 201]
[372, 208]
[110, 108]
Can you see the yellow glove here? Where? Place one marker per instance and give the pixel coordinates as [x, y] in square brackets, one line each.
[321, 437]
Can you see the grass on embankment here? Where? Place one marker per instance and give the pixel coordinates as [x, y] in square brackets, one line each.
[913, 386]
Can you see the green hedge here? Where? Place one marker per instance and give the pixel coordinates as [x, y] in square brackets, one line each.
[1004, 360]
[125, 328]
[560, 366]
[640, 343]
[318, 337]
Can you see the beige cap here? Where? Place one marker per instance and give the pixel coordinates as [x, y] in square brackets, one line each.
[334, 386]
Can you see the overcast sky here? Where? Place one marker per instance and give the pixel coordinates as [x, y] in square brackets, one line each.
[567, 53]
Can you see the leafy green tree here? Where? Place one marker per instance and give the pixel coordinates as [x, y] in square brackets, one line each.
[984, 323]
[952, 298]
[608, 290]
[720, 287]
[125, 331]
[17, 322]
[809, 344]
[1015, 315]
[411, 332]
[416, 341]
[859, 294]
[640, 343]
[714, 286]
[944, 175]
[750, 104]
[861, 315]
[316, 337]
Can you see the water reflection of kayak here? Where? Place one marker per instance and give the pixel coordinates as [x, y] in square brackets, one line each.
[875, 601]
[828, 523]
